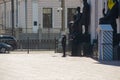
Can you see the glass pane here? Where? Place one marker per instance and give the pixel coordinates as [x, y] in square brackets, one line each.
[47, 17]
[47, 11]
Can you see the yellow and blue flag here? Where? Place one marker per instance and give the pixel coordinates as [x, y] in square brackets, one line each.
[111, 3]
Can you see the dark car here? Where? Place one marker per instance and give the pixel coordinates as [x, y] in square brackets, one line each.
[10, 40]
[5, 47]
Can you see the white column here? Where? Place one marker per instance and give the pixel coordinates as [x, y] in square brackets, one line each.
[92, 19]
[119, 19]
[96, 13]
[35, 16]
[119, 26]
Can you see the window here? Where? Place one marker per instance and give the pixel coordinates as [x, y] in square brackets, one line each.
[47, 17]
[35, 23]
[70, 14]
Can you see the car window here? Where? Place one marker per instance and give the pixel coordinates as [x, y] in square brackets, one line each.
[7, 39]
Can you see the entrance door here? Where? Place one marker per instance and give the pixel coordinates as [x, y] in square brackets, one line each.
[35, 16]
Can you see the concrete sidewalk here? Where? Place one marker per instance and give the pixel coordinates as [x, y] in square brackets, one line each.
[47, 65]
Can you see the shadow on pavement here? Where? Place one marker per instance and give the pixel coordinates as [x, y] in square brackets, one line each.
[112, 63]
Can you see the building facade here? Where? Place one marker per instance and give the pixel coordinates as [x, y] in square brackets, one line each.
[44, 16]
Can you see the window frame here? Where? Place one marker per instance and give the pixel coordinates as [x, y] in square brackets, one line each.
[47, 14]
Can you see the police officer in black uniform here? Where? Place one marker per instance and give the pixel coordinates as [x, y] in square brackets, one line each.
[86, 16]
[64, 45]
[77, 31]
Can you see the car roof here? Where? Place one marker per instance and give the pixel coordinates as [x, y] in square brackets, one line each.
[7, 36]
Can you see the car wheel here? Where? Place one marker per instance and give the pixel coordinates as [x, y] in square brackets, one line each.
[3, 50]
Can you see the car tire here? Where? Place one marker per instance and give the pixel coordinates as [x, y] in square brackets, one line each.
[3, 50]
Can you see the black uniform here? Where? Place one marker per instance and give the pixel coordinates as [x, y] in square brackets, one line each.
[86, 16]
[64, 45]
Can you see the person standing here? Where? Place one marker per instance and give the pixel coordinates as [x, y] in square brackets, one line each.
[86, 16]
[77, 21]
[77, 32]
[110, 17]
[64, 45]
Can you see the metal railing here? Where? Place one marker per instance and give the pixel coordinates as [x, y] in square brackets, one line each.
[35, 44]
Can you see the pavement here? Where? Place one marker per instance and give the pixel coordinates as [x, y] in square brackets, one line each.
[47, 65]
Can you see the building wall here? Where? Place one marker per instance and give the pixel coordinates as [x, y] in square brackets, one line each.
[96, 14]
[22, 15]
[8, 15]
[1, 15]
[54, 4]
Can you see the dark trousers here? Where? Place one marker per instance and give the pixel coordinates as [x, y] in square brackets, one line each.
[64, 50]
[76, 47]
[86, 29]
